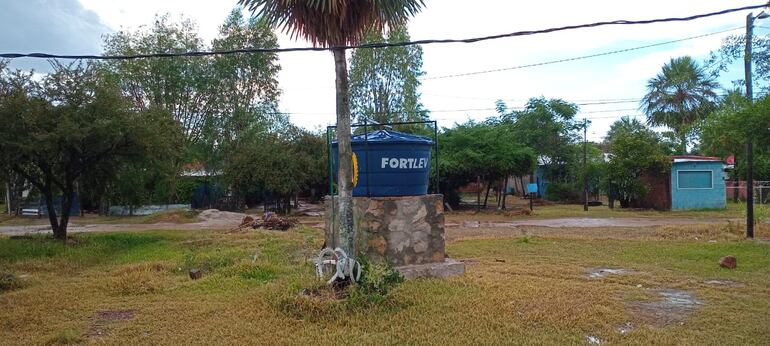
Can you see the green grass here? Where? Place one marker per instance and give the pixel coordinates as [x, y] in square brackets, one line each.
[517, 290]
[89, 248]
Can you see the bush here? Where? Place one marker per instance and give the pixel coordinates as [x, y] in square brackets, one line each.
[452, 197]
[377, 279]
[562, 192]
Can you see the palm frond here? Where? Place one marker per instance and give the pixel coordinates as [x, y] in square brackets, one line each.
[330, 23]
[680, 94]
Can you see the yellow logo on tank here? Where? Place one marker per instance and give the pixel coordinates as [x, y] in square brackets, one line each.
[355, 170]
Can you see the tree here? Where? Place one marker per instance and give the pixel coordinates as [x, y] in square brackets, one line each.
[336, 23]
[384, 81]
[73, 121]
[547, 126]
[727, 131]
[634, 150]
[733, 49]
[246, 86]
[481, 152]
[213, 99]
[680, 95]
[256, 166]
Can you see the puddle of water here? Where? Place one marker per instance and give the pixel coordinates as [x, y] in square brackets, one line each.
[721, 283]
[626, 328]
[593, 340]
[674, 307]
[602, 272]
[674, 299]
[471, 224]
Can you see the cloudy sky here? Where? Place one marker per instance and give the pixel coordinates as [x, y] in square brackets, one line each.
[606, 87]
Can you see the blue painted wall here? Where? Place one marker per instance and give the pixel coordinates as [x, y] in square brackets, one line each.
[542, 184]
[697, 185]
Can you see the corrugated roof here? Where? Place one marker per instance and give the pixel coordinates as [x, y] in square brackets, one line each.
[695, 158]
[385, 136]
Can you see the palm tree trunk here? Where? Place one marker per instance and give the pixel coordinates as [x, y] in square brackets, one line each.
[345, 173]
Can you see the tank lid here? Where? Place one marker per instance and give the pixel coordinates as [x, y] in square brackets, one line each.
[385, 136]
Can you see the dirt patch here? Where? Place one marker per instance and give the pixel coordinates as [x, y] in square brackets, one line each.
[218, 215]
[468, 261]
[115, 315]
[175, 216]
[586, 222]
[105, 319]
[673, 307]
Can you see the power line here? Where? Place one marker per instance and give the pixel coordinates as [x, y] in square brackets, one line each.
[493, 99]
[588, 102]
[451, 111]
[567, 59]
[578, 57]
[377, 45]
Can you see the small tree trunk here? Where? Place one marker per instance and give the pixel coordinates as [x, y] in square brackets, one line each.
[8, 203]
[48, 195]
[611, 195]
[345, 173]
[486, 196]
[67, 197]
[504, 193]
[478, 194]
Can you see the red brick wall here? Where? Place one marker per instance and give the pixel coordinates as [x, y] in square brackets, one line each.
[658, 191]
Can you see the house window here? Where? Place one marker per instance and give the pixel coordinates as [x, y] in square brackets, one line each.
[695, 180]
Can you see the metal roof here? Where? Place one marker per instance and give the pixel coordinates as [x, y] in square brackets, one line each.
[386, 136]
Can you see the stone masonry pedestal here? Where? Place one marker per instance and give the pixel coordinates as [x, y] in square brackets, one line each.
[406, 232]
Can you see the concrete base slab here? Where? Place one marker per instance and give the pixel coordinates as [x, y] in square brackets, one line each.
[444, 269]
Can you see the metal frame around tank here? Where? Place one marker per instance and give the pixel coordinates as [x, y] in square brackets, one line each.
[366, 126]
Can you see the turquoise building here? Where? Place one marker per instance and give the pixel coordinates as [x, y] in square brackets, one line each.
[697, 182]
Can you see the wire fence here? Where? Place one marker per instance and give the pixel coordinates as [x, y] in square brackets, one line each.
[761, 191]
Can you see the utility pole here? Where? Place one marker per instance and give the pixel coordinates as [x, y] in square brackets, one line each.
[585, 164]
[750, 145]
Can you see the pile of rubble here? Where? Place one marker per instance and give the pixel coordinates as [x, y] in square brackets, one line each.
[269, 220]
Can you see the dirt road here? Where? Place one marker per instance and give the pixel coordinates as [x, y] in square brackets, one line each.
[586, 222]
[226, 220]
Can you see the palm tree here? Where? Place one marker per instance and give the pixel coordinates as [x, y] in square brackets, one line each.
[336, 23]
[681, 94]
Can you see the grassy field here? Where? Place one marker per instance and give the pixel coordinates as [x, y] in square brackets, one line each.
[132, 288]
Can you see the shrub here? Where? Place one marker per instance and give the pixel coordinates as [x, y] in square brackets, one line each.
[562, 192]
[377, 279]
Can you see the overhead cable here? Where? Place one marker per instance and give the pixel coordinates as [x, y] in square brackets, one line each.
[376, 45]
[578, 57]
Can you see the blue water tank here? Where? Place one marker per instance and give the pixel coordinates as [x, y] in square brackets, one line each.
[398, 163]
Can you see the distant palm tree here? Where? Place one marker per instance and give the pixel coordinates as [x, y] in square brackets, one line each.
[336, 23]
[681, 94]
